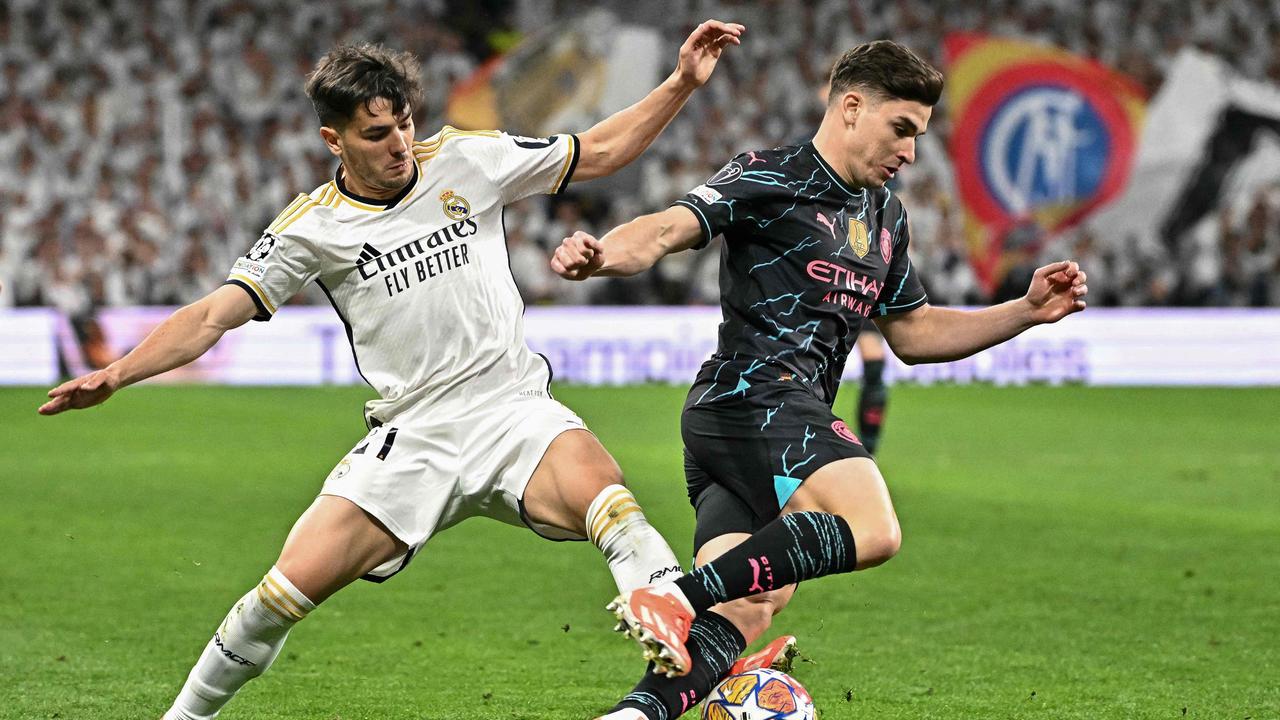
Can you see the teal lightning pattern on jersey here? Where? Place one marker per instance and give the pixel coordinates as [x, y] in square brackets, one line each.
[806, 260]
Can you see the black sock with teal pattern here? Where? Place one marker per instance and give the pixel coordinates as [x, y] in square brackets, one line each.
[796, 547]
[714, 644]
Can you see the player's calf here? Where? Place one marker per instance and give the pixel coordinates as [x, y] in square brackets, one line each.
[242, 648]
[636, 553]
[793, 548]
[879, 538]
[578, 487]
[753, 615]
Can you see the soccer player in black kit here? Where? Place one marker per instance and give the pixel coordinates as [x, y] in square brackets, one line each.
[814, 245]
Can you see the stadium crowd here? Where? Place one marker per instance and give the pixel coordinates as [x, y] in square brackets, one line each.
[147, 143]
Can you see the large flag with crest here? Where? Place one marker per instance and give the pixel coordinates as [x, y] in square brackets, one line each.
[565, 76]
[1040, 137]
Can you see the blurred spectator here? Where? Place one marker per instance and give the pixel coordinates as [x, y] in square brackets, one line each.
[147, 144]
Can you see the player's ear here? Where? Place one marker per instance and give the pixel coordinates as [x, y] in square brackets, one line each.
[332, 140]
[851, 105]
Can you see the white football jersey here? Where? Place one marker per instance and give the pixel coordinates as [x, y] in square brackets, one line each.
[421, 281]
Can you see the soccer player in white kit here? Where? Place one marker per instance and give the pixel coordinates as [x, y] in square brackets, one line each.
[408, 243]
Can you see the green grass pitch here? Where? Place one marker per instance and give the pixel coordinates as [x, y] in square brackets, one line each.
[1068, 553]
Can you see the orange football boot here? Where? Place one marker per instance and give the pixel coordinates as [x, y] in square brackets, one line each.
[660, 623]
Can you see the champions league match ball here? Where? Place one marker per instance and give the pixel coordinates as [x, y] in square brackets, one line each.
[759, 695]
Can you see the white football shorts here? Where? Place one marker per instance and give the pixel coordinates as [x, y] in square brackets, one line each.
[428, 469]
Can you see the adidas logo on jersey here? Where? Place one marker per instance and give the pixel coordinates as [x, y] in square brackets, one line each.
[368, 252]
[372, 262]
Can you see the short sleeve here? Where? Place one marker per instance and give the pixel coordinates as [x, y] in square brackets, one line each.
[903, 290]
[278, 265]
[522, 166]
[719, 201]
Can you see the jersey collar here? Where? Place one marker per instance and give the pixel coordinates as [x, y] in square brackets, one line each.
[835, 176]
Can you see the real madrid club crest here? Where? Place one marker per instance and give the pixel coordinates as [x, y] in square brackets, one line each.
[343, 467]
[455, 206]
[858, 239]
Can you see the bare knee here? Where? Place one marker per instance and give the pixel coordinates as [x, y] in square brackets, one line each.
[332, 544]
[877, 541]
[753, 615]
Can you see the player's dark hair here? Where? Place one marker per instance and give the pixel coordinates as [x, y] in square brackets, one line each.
[354, 75]
[886, 69]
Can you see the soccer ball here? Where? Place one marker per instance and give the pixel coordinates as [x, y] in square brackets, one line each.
[759, 695]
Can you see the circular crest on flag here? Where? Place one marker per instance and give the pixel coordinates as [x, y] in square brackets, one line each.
[1041, 139]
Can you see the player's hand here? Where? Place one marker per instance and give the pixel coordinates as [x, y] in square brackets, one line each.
[699, 54]
[85, 391]
[578, 257]
[1056, 291]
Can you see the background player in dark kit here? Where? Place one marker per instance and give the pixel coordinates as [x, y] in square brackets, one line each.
[814, 245]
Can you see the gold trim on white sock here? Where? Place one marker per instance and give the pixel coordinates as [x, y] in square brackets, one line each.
[613, 504]
[279, 596]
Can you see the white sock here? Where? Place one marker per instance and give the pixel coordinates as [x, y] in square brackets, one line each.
[242, 648]
[636, 553]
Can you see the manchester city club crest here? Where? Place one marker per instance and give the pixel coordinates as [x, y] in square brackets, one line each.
[858, 239]
[886, 245]
[455, 206]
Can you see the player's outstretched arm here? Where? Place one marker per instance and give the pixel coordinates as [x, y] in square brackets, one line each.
[615, 141]
[936, 334]
[182, 337]
[632, 247]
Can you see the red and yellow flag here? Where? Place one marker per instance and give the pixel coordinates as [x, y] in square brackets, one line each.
[1038, 136]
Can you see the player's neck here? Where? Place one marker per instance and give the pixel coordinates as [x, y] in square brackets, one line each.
[830, 146]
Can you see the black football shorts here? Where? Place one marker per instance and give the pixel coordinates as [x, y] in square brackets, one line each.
[745, 454]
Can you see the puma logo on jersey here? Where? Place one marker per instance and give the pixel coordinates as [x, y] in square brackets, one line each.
[830, 224]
